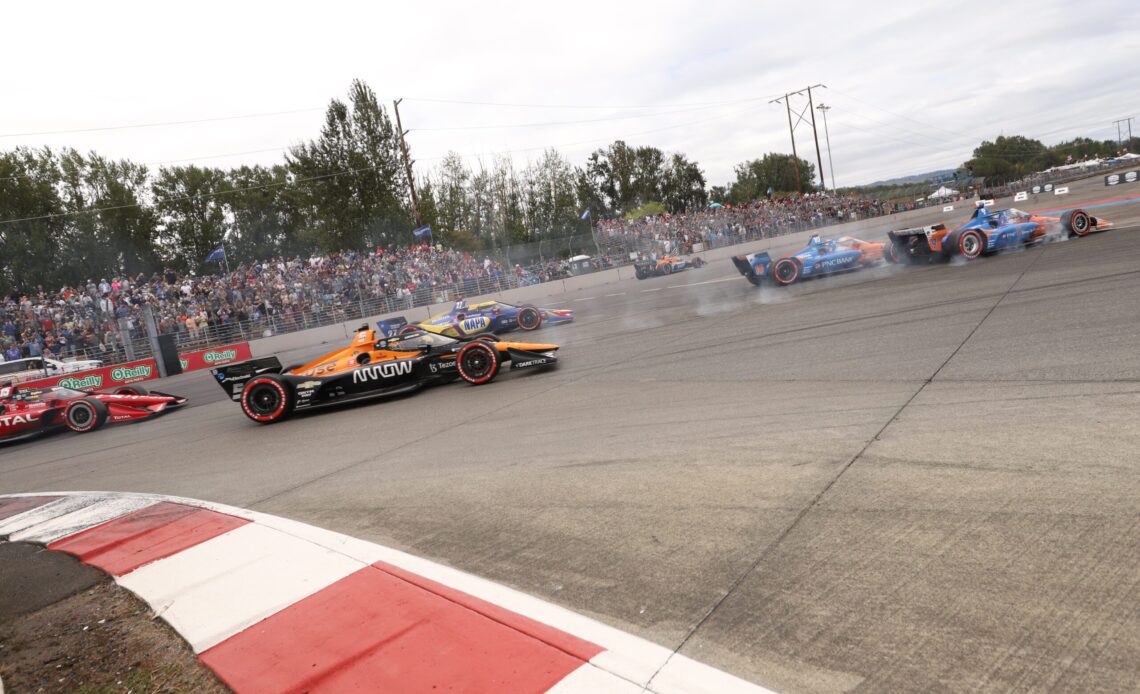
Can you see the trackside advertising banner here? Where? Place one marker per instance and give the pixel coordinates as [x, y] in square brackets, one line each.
[1124, 177]
[218, 356]
[101, 379]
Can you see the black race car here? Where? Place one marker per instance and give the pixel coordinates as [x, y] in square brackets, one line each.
[372, 367]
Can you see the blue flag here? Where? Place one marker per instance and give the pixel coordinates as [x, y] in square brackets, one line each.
[586, 214]
[218, 253]
[421, 232]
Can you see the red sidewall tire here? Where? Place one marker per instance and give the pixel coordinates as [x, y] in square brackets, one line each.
[789, 279]
[488, 337]
[1079, 223]
[84, 415]
[409, 329]
[131, 390]
[964, 242]
[280, 409]
[534, 318]
[468, 351]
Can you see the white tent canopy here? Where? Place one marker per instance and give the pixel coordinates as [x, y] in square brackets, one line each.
[942, 192]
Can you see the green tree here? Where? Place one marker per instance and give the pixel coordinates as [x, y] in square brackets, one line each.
[191, 212]
[352, 176]
[683, 185]
[776, 171]
[30, 236]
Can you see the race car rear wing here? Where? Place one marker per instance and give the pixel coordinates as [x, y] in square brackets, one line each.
[233, 377]
[392, 326]
[916, 231]
[753, 265]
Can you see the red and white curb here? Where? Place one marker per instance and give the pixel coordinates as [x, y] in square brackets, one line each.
[273, 605]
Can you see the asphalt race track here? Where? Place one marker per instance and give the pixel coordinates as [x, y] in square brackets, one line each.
[902, 479]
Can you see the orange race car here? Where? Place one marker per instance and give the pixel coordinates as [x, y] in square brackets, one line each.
[666, 265]
[989, 231]
[372, 367]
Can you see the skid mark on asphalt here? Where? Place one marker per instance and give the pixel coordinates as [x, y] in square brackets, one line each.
[839, 474]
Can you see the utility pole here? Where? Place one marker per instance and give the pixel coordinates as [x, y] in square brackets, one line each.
[815, 133]
[1117, 124]
[408, 165]
[792, 130]
[823, 108]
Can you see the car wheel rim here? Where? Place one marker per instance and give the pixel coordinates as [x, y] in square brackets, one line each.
[786, 272]
[1080, 223]
[80, 416]
[264, 401]
[970, 245]
[477, 363]
[527, 319]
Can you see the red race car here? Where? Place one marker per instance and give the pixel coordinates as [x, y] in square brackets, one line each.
[25, 413]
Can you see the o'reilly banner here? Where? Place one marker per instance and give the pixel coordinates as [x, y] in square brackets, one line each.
[100, 379]
[217, 356]
[1116, 179]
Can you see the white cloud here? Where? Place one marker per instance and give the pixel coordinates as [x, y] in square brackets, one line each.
[913, 87]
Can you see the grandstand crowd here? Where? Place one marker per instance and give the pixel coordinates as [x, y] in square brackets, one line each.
[96, 318]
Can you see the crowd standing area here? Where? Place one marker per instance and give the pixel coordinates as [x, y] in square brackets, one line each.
[103, 319]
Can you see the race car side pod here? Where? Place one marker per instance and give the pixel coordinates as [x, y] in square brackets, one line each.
[233, 377]
[522, 359]
[747, 265]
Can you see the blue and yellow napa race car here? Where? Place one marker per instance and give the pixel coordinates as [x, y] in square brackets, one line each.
[465, 320]
[819, 257]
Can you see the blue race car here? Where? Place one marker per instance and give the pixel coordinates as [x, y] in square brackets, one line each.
[485, 317]
[989, 231]
[819, 257]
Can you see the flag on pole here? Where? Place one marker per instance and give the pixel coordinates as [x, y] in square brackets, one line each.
[218, 253]
[421, 232]
[585, 214]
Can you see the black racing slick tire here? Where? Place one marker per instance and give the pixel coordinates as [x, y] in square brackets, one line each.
[478, 362]
[85, 414]
[1077, 223]
[641, 274]
[971, 244]
[666, 269]
[487, 337]
[530, 318]
[131, 390]
[267, 399]
[786, 271]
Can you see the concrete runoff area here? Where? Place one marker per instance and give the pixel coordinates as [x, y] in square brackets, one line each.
[906, 478]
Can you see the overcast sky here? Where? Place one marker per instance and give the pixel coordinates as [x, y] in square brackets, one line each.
[912, 88]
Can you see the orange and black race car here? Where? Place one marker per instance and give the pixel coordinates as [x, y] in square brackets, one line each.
[372, 367]
[664, 266]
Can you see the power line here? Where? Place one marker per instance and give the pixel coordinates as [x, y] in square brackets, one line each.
[565, 122]
[163, 123]
[587, 106]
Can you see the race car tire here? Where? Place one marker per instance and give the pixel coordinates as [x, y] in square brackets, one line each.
[1077, 223]
[85, 414]
[529, 318]
[131, 390]
[971, 244]
[641, 274]
[786, 271]
[894, 254]
[267, 399]
[409, 329]
[478, 362]
[487, 337]
[666, 269]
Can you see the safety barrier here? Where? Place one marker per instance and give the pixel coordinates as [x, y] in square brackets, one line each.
[101, 378]
[215, 356]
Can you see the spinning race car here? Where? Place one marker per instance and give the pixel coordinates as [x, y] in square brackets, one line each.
[372, 367]
[664, 266]
[486, 317]
[25, 413]
[819, 257]
[988, 232]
